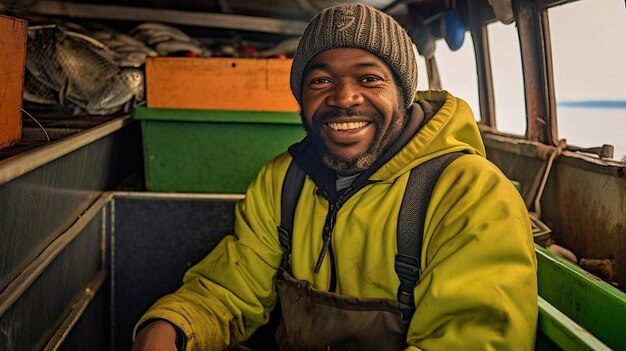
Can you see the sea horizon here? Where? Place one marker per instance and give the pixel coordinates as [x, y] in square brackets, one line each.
[617, 104]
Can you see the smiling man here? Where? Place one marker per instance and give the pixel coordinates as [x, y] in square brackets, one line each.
[353, 109]
[340, 273]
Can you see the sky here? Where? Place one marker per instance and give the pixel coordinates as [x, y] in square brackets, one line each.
[589, 55]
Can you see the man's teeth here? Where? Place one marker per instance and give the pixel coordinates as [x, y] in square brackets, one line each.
[347, 125]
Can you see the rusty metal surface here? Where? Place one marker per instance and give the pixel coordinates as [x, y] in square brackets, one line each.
[551, 122]
[584, 202]
[586, 211]
[535, 81]
[518, 161]
[36, 207]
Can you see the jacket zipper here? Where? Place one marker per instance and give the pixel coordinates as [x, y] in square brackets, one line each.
[329, 225]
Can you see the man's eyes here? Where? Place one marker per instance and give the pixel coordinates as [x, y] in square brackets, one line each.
[370, 79]
[366, 79]
[320, 81]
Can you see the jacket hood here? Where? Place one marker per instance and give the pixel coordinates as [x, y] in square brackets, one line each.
[452, 128]
[438, 123]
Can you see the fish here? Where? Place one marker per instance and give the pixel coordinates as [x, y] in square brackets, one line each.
[154, 33]
[40, 51]
[127, 51]
[121, 89]
[168, 47]
[37, 92]
[131, 59]
[86, 71]
[113, 40]
[81, 72]
[92, 41]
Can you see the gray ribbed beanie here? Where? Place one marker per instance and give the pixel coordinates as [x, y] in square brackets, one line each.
[357, 26]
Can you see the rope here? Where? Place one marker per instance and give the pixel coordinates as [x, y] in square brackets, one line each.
[556, 153]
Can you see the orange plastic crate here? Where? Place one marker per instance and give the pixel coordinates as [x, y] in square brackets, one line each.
[220, 84]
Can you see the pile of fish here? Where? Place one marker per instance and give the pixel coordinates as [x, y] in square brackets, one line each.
[70, 69]
[168, 40]
[100, 72]
[96, 72]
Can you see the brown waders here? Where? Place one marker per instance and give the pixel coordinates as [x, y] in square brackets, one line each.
[317, 320]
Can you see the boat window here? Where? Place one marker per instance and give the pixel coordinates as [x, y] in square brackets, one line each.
[507, 78]
[457, 71]
[588, 53]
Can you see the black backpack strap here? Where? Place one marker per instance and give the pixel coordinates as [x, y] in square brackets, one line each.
[411, 226]
[292, 186]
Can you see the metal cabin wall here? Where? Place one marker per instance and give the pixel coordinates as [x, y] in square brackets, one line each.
[37, 207]
[519, 160]
[585, 205]
[52, 244]
[584, 202]
[156, 238]
[32, 320]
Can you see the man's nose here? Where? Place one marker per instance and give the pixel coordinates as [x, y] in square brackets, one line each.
[344, 96]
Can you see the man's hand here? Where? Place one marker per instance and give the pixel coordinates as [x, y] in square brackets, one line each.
[156, 336]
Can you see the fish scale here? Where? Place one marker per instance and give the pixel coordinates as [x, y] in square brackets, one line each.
[39, 59]
[87, 72]
[37, 92]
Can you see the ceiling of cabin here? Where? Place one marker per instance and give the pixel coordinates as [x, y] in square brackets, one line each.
[266, 21]
[294, 10]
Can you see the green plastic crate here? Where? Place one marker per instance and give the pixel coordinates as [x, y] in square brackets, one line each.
[211, 151]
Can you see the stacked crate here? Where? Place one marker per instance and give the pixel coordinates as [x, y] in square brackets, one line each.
[211, 123]
[12, 57]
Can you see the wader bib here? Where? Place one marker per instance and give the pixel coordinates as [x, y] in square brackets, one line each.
[318, 320]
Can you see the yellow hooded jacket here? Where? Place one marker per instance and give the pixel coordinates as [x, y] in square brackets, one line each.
[478, 286]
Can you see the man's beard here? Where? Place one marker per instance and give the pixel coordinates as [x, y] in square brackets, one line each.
[378, 145]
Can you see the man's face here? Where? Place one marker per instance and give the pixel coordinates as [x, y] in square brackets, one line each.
[352, 108]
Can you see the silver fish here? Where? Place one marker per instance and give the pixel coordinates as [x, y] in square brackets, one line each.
[153, 33]
[119, 42]
[85, 70]
[120, 89]
[81, 73]
[158, 28]
[170, 46]
[131, 59]
[37, 92]
[40, 51]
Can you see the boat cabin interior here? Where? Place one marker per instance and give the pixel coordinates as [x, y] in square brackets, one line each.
[125, 125]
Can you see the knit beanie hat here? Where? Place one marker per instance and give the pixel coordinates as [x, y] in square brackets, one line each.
[362, 27]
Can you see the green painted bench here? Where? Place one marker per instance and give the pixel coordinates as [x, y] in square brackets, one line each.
[577, 311]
